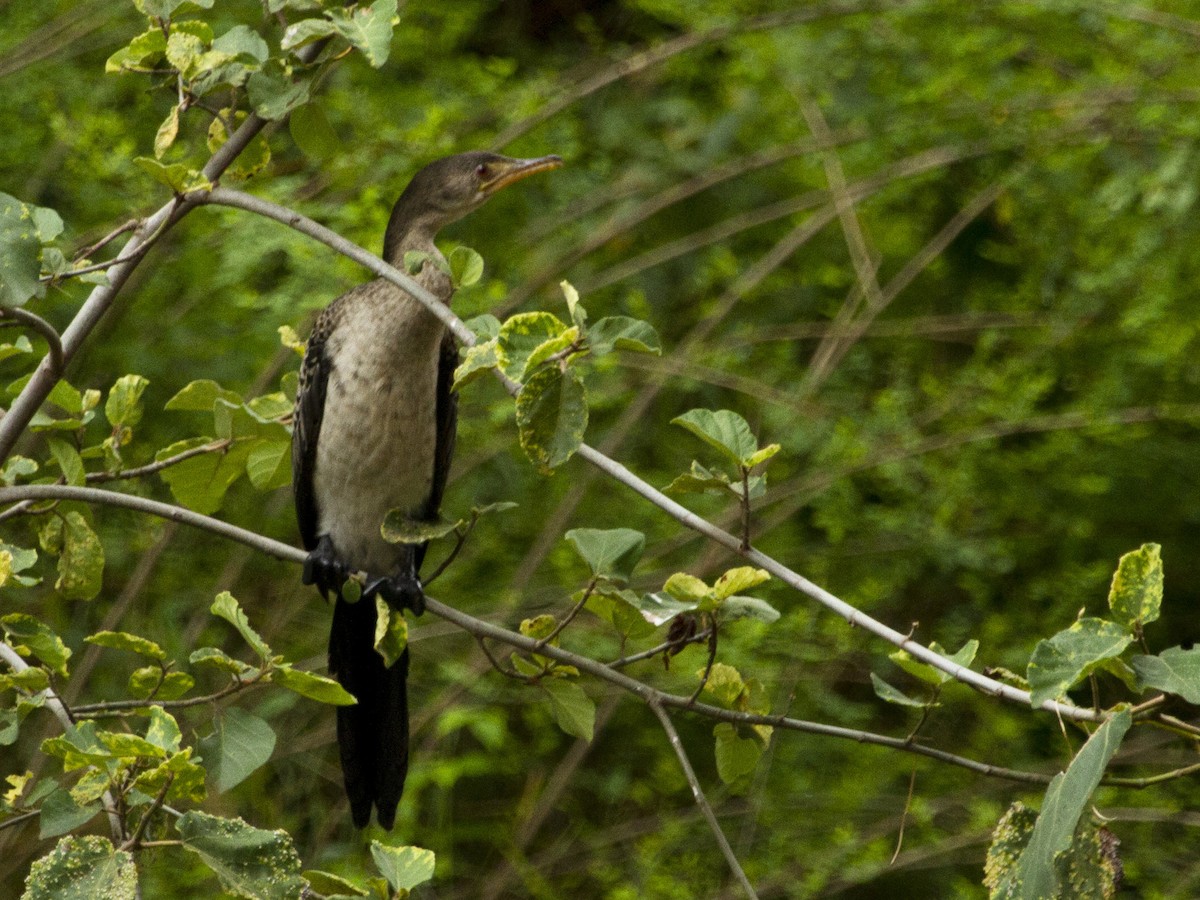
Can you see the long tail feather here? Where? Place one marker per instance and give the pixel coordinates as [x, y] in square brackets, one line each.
[372, 735]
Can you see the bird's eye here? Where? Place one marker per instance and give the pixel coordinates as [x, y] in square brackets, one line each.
[482, 170]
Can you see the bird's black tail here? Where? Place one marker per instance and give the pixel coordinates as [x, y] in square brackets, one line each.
[372, 735]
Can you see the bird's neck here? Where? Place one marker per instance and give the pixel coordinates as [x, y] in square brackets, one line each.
[403, 236]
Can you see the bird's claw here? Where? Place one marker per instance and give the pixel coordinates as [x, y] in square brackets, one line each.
[325, 569]
[399, 592]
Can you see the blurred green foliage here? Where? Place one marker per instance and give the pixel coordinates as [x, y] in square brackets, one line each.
[1011, 409]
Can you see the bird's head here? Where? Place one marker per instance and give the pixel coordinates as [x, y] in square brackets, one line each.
[450, 188]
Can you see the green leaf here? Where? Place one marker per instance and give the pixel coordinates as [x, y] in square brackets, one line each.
[330, 885]
[1090, 866]
[30, 637]
[524, 335]
[69, 461]
[243, 41]
[83, 868]
[890, 694]
[141, 52]
[313, 686]
[484, 327]
[762, 455]
[391, 632]
[1174, 671]
[466, 267]
[927, 673]
[228, 609]
[20, 252]
[219, 659]
[623, 333]
[736, 756]
[687, 588]
[538, 627]
[740, 579]
[748, 608]
[552, 416]
[1137, 587]
[659, 609]
[1065, 800]
[304, 32]
[269, 464]
[179, 178]
[399, 528]
[312, 132]
[249, 862]
[621, 609]
[477, 360]
[186, 778]
[700, 480]
[162, 730]
[574, 307]
[61, 814]
[725, 683]
[239, 744]
[200, 482]
[724, 430]
[1064, 660]
[132, 643]
[273, 95]
[610, 553]
[574, 710]
[368, 30]
[167, 132]
[403, 867]
[201, 396]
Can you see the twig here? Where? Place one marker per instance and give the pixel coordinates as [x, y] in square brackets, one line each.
[708, 666]
[507, 673]
[135, 839]
[116, 707]
[107, 239]
[460, 540]
[479, 628]
[701, 799]
[661, 648]
[568, 618]
[159, 465]
[42, 327]
[18, 819]
[912, 782]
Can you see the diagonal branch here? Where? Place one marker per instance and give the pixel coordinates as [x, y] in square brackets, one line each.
[620, 473]
[479, 628]
[701, 799]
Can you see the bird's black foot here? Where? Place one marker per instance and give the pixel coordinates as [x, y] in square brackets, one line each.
[325, 569]
[401, 591]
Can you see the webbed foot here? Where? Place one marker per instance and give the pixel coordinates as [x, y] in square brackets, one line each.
[324, 568]
[400, 591]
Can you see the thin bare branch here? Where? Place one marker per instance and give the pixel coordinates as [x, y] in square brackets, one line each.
[701, 799]
[479, 628]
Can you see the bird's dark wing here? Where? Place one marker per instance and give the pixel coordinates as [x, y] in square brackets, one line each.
[447, 422]
[306, 424]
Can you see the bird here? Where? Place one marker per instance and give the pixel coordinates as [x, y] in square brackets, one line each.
[373, 431]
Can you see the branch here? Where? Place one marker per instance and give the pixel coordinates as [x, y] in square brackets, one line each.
[620, 473]
[478, 628]
[42, 327]
[60, 711]
[35, 392]
[701, 800]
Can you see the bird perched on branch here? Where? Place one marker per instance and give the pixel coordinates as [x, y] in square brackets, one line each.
[374, 431]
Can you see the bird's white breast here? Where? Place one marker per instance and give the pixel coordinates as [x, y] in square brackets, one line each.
[379, 429]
